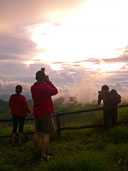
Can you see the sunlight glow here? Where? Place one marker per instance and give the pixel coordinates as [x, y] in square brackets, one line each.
[29, 62]
[104, 67]
[55, 66]
[95, 31]
[110, 67]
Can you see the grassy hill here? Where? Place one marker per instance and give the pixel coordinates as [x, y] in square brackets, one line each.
[4, 109]
[76, 150]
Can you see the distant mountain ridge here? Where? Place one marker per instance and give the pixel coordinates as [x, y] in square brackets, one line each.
[4, 109]
[6, 97]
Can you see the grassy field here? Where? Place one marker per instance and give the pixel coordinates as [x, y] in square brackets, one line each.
[76, 150]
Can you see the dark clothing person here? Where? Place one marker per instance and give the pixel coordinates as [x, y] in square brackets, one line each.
[114, 111]
[110, 103]
[115, 99]
[104, 95]
[109, 115]
[19, 108]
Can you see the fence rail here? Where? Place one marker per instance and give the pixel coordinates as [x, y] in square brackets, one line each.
[59, 114]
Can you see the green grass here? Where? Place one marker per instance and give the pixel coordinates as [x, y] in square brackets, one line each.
[87, 149]
[82, 150]
[73, 151]
[89, 161]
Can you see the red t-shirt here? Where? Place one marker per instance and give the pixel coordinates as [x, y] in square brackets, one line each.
[41, 94]
[19, 105]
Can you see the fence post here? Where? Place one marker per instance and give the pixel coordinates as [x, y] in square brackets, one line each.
[58, 125]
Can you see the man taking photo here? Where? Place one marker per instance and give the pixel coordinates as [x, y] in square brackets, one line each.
[42, 90]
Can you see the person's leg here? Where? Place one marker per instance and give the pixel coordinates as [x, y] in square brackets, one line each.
[48, 129]
[13, 138]
[114, 116]
[105, 119]
[116, 113]
[21, 125]
[44, 125]
[45, 142]
[15, 124]
[37, 134]
[36, 141]
[20, 138]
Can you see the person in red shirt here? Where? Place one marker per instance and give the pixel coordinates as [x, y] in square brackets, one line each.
[42, 90]
[19, 108]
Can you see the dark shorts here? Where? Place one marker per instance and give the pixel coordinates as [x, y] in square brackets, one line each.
[45, 124]
[18, 120]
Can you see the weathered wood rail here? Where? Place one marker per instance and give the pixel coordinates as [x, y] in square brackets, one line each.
[58, 123]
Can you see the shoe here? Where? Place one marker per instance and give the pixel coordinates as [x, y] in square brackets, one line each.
[13, 145]
[46, 158]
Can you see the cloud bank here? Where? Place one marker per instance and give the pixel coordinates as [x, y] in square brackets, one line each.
[82, 78]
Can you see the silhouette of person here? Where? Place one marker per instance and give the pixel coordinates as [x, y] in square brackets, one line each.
[110, 99]
[104, 95]
[42, 90]
[115, 99]
[19, 108]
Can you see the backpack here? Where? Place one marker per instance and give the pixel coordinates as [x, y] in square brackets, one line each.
[114, 99]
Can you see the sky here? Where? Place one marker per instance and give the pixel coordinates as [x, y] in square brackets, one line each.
[82, 44]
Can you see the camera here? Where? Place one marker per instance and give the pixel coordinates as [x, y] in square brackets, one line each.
[43, 71]
[46, 78]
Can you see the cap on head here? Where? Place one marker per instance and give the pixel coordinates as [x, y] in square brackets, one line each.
[105, 88]
[18, 89]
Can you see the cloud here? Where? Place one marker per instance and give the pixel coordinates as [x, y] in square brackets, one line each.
[7, 87]
[76, 82]
[17, 16]
[13, 13]
[15, 47]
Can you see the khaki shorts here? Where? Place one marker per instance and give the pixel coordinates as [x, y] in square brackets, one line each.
[45, 124]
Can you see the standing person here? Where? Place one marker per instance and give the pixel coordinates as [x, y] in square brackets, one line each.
[104, 95]
[19, 108]
[111, 99]
[42, 90]
[115, 99]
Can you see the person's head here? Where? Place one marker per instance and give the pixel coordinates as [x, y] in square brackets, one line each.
[105, 88]
[40, 76]
[18, 89]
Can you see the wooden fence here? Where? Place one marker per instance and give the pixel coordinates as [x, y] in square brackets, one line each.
[58, 123]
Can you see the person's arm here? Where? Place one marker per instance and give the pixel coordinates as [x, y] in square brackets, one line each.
[26, 106]
[52, 90]
[119, 97]
[99, 99]
[10, 100]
